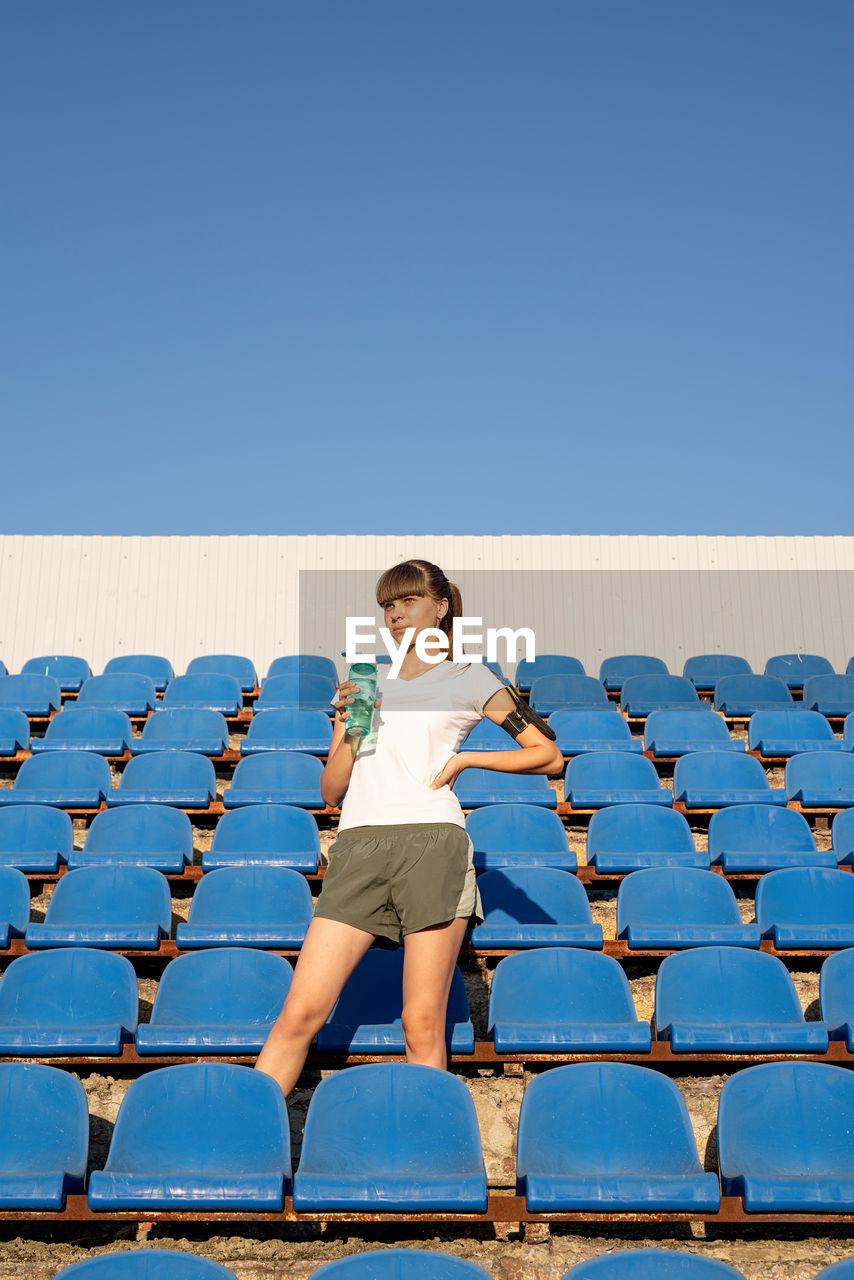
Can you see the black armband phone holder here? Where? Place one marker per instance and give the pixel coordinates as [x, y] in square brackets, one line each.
[521, 716]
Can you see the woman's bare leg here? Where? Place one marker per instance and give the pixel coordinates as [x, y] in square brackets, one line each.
[430, 956]
[329, 955]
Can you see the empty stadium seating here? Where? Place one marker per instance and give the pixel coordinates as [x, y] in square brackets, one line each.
[831, 695]
[249, 906]
[642, 694]
[72, 1000]
[745, 695]
[35, 695]
[639, 1155]
[784, 1138]
[786, 732]
[207, 1135]
[289, 729]
[276, 777]
[843, 837]
[224, 1000]
[713, 779]
[614, 671]
[14, 904]
[14, 731]
[267, 835]
[141, 835]
[120, 691]
[68, 670]
[391, 1136]
[114, 907]
[821, 780]
[836, 996]
[303, 664]
[705, 669]
[367, 1016]
[802, 907]
[225, 664]
[518, 835]
[563, 999]
[207, 691]
[475, 787]
[600, 778]
[729, 1000]
[307, 691]
[100, 729]
[402, 1264]
[534, 907]
[44, 1124]
[183, 729]
[545, 664]
[580, 731]
[624, 838]
[673, 907]
[181, 778]
[794, 669]
[158, 669]
[568, 693]
[676, 732]
[66, 779]
[34, 837]
[758, 837]
[150, 1264]
[651, 1264]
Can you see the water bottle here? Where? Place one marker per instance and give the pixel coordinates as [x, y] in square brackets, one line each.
[361, 710]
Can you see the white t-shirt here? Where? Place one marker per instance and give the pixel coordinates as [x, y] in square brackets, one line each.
[417, 727]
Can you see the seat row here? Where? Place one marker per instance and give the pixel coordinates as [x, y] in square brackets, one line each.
[734, 696]
[38, 839]
[702, 780]
[658, 908]
[422, 1264]
[395, 1137]
[709, 1000]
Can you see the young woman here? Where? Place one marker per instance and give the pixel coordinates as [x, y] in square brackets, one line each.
[401, 865]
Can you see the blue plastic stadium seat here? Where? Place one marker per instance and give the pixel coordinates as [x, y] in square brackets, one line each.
[207, 1135]
[116, 908]
[219, 1001]
[758, 837]
[183, 729]
[475, 787]
[14, 904]
[794, 669]
[309, 664]
[225, 664]
[649, 1264]
[289, 729]
[713, 779]
[247, 907]
[153, 1264]
[366, 1018]
[309, 692]
[66, 779]
[276, 777]
[69, 1001]
[821, 780]
[842, 831]
[488, 736]
[842, 1270]
[831, 695]
[848, 734]
[836, 996]
[210, 692]
[68, 670]
[34, 695]
[44, 1136]
[625, 838]
[564, 999]
[34, 837]
[785, 733]
[534, 907]
[119, 691]
[784, 1138]
[639, 1155]
[14, 731]
[266, 835]
[642, 694]
[181, 778]
[138, 835]
[744, 695]
[728, 1000]
[99, 729]
[3, 670]
[704, 670]
[403, 1264]
[158, 669]
[391, 1136]
[676, 733]
[518, 835]
[568, 693]
[580, 731]
[805, 907]
[546, 664]
[615, 671]
[601, 778]
[668, 908]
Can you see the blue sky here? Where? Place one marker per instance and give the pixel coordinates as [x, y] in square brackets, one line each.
[411, 266]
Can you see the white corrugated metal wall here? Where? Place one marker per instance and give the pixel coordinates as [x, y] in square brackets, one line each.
[183, 596]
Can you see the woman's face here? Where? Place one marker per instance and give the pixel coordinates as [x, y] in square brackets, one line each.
[420, 612]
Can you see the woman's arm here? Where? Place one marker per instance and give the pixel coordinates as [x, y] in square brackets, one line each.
[537, 753]
[335, 778]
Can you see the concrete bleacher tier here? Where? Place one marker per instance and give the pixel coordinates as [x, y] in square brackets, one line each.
[175, 822]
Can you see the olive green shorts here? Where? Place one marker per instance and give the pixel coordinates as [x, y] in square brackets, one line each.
[395, 880]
